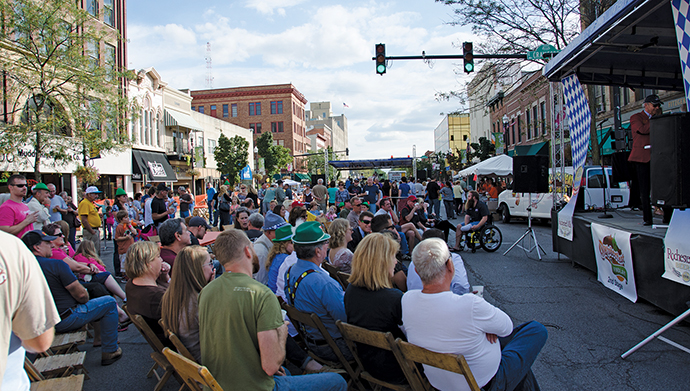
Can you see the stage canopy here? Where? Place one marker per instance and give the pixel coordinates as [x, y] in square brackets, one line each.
[500, 165]
[371, 163]
[633, 44]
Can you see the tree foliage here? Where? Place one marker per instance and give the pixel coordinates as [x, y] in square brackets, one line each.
[316, 162]
[64, 101]
[275, 156]
[484, 149]
[231, 156]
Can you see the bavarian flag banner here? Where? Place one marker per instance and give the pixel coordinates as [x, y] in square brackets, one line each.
[614, 260]
[677, 248]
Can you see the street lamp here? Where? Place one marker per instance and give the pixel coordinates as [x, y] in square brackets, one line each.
[505, 133]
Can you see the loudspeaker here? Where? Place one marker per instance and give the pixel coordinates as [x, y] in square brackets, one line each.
[315, 179]
[670, 161]
[531, 174]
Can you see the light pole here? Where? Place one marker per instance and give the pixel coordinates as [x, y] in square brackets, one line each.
[505, 133]
[256, 160]
[414, 161]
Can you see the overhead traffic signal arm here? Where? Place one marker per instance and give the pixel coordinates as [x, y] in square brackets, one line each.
[380, 59]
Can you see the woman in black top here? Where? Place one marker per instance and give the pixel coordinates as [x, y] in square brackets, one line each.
[223, 203]
[371, 302]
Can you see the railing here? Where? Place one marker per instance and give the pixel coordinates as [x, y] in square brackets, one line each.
[176, 146]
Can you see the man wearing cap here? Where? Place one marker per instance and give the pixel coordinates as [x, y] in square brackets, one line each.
[263, 244]
[91, 217]
[197, 228]
[345, 209]
[353, 216]
[159, 208]
[310, 289]
[72, 299]
[640, 155]
[58, 206]
[27, 312]
[242, 332]
[185, 201]
[15, 216]
[354, 190]
[36, 204]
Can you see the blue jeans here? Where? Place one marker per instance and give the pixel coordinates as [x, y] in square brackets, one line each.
[214, 218]
[102, 308]
[519, 350]
[318, 381]
[404, 247]
[184, 214]
[435, 207]
[372, 208]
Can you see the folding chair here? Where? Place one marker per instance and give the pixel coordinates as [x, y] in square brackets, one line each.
[65, 343]
[355, 334]
[446, 361]
[344, 279]
[192, 373]
[300, 319]
[39, 382]
[177, 342]
[332, 270]
[61, 365]
[157, 354]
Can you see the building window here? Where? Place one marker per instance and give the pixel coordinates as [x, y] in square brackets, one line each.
[225, 111]
[542, 107]
[281, 143]
[529, 124]
[277, 107]
[519, 129]
[534, 118]
[255, 128]
[92, 7]
[193, 108]
[277, 127]
[234, 109]
[93, 52]
[201, 109]
[512, 130]
[211, 146]
[108, 13]
[213, 110]
[255, 108]
[600, 98]
[110, 61]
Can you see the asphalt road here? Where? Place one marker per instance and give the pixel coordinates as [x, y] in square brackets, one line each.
[589, 326]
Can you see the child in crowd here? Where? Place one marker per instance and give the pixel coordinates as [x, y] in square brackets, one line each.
[86, 253]
[109, 221]
[331, 215]
[124, 236]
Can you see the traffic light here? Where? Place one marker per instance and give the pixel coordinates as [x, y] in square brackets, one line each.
[468, 57]
[380, 59]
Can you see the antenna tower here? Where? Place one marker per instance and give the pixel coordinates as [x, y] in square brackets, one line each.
[209, 66]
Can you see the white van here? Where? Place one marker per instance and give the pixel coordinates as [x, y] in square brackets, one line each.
[512, 204]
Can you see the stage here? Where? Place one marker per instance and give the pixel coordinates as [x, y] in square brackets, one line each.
[647, 244]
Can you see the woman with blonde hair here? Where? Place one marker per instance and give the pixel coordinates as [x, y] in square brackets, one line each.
[371, 302]
[179, 307]
[148, 281]
[341, 233]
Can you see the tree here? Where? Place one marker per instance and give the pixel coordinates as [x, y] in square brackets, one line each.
[484, 149]
[63, 100]
[316, 162]
[231, 156]
[275, 156]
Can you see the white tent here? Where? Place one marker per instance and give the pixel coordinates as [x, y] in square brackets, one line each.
[500, 165]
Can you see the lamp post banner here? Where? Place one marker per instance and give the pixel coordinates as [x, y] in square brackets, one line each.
[614, 260]
[579, 118]
[681, 13]
[677, 248]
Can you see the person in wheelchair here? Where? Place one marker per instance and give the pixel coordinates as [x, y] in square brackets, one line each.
[476, 216]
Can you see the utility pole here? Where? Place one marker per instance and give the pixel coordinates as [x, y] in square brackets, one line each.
[325, 166]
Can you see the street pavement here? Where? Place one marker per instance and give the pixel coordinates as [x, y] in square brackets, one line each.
[589, 326]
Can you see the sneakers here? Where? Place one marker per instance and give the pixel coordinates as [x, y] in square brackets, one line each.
[109, 358]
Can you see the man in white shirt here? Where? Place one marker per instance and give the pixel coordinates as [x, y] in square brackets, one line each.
[441, 321]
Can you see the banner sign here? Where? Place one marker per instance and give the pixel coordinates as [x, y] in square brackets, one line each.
[579, 118]
[614, 260]
[677, 248]
[497, 139]
[246, 173]
[681, 9]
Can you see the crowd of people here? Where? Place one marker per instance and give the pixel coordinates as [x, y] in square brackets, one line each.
[222, 301]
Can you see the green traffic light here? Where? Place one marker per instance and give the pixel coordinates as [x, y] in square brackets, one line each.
[381, 68]
[469, 67]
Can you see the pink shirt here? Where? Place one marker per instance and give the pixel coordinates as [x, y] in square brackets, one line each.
[60, 254]
[13, 213]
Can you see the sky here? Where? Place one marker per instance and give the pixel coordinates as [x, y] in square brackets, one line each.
[322, 47]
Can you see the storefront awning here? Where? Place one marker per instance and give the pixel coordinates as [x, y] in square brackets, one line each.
[176, 118]
[609, 146]
[633, 44]
[302, 177]
[533, 150]
[154, 165]
[371, 163]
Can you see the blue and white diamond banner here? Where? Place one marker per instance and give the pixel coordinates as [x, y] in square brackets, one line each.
[681, 9]
[580, 119]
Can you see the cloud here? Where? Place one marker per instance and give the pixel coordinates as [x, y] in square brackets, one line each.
[267, 7]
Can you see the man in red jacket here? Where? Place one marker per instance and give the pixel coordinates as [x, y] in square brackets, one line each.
[641, 152]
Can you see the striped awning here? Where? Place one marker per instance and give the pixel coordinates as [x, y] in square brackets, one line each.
[177, 118]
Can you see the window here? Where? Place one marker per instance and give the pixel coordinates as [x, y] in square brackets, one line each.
[211, 146]
[512, 130]
[201, 109]
[255, 108]
[600, 98]
[519, 129]
[110, 61]
[234, 109]
[193, 108]
[213, 110]
[92, 7]
[529, 124]
[543, 117]
[277, 127]
[277, 107]
[255, 128]
[108, 13]
[93, 52]
[534, 118]
[225, 111]
[281, 143]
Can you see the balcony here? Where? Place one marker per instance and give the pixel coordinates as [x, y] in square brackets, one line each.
[176, 147]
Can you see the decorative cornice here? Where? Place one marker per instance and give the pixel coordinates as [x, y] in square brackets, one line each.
[210, 94]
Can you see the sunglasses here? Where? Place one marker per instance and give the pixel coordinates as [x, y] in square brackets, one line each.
[357, 205]
[391, 227]
[59, 234]
[19, 185]
[366, 222]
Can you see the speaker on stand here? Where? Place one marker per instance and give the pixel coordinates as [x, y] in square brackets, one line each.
[670, 161]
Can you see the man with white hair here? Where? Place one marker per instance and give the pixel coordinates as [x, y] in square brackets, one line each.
[320, 193]
[439, 320]
[58, 206]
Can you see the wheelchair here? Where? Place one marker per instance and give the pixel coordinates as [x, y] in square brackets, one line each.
[489, 237]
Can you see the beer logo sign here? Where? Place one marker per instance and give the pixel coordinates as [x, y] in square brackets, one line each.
[609, 251]
[614, 260]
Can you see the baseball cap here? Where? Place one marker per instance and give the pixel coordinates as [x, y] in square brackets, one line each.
[92, 189]
[297, 203]
[197, 221]
[162, 187]
[653, 99]
[411, 198]
[35, 237]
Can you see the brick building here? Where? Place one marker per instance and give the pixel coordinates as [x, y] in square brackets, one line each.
[273, 108]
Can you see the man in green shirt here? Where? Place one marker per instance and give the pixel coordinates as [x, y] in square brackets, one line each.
[241, 329]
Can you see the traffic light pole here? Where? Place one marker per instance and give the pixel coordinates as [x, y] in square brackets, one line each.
[456, 57]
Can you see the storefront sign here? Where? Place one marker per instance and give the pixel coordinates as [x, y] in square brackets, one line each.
[614, 260]
[157, 169]
[677, 248]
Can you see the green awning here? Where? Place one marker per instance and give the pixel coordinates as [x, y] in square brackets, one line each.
[533, 149]
[610, 145]
[302, 177]
[511, 152]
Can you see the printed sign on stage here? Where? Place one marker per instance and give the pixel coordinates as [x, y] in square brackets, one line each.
[677, 248]
[614, 260]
